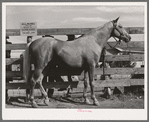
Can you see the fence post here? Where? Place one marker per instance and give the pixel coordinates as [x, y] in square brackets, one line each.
[29, 39]
[107, 90]
[103, 62]
[8, 68]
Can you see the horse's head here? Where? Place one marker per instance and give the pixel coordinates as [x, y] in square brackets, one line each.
[120, 32]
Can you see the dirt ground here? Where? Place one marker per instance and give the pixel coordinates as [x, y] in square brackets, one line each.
[123, 101]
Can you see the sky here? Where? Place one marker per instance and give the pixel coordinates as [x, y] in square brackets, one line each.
[72, 16]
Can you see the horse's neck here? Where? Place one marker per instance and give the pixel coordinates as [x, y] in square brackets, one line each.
[102, 34]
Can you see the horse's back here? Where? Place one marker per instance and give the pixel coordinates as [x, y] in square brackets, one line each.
[44, 43]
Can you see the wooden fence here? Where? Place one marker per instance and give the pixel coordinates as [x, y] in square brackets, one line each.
[70, 31]
[127, 81]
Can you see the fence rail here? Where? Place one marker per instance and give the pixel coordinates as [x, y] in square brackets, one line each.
[70, 31]
[133, 45]
[131, 57]
[75, 84]
[98, 71]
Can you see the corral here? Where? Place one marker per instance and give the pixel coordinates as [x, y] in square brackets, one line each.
[124, 73]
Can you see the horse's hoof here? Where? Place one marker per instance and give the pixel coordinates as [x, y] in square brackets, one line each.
[96, 103]
[34, 105]
[87, 101]
[46, 101]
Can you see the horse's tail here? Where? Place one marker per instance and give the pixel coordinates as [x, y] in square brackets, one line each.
[26, 64]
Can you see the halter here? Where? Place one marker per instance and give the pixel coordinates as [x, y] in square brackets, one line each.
[121, 35]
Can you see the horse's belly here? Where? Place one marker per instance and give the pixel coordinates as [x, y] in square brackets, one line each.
[70, 55]
[72, 61]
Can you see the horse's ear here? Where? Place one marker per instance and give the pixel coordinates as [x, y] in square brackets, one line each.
[115, 21]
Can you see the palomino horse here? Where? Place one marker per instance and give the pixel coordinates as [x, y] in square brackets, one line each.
[82, 53]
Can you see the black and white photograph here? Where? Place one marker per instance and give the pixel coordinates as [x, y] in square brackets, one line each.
[74, 61]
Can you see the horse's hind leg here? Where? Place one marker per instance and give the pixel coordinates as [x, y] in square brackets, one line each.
[39, 82]
[33, 83]
[37, 78]
[45, 95]
[85, 88]
[91, 79]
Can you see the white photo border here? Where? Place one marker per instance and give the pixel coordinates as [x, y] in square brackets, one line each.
[71, 114]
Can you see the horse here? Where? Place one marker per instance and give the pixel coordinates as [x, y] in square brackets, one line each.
[82, 53]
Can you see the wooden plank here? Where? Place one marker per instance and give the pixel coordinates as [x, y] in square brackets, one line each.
[10, 74]
[129, 49]
[136, 50]
[45, 85]
[135, 30]
[136, 57]
[129, 45]
[117, 58]
[15, 46]
[52, 31]
[98, 71]
[12, 32]
[115, 82]
[70, 31]
[10, 61]
[80, 84]
[131, 57]
[133, 45]
[63, 31]
[115, 71]
[119, 71]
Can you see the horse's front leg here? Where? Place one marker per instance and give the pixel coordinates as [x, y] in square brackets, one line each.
[91, 79]
[70, 87]
[86, 100]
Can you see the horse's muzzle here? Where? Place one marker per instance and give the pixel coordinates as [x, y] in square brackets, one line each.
[126, 39]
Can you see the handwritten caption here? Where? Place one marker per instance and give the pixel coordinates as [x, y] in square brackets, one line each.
[80, 110]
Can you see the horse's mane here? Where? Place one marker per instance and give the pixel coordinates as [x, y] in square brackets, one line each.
[93, 30]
